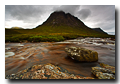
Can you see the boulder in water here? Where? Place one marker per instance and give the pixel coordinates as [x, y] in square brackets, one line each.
[82, 54]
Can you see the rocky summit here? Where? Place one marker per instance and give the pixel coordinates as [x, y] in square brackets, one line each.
[60, 18]
[82, 54]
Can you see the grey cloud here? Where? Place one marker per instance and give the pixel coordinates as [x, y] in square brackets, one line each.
[100, 12]
[107, 25]
[68, 8]
[26, 13]
[84, 13]
[102, 16]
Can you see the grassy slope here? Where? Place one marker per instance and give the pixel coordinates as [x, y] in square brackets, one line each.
[67, 30]
[49, 33]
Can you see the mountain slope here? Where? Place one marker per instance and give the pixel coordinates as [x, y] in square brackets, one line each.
[61, 22]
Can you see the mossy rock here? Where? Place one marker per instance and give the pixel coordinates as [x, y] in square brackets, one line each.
[82, 54]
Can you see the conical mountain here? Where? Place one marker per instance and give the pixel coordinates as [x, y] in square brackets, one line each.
[61, 22]
[60, 18]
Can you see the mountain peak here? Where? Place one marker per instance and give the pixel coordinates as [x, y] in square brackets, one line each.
[59, 12]
[59, 18]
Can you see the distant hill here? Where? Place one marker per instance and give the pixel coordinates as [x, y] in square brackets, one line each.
[17, 28]
[99, 30]
[111, 33]
[11, 31]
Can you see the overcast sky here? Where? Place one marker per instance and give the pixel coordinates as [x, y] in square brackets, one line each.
[30, 16]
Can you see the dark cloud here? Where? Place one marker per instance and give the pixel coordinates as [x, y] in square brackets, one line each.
[27, 13]
[84, 13]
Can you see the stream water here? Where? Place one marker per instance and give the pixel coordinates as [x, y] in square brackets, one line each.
[19, 56]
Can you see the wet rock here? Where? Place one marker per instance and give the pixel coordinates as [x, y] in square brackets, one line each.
[106, 66]
[47, 71]
[7, 48]
[104, 72]
[8, 54]
[82, 54]
[105, 75]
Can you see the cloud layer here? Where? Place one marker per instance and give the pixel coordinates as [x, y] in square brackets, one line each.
[29, 16]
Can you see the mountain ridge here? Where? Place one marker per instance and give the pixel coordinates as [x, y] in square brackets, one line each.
[64, 20]
[61, 19]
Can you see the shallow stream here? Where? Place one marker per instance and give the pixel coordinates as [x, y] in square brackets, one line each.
[19, 56]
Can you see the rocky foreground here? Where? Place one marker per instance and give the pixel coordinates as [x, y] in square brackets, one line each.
[49, 71]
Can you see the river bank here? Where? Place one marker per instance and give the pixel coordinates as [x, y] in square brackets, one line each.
[30, 54]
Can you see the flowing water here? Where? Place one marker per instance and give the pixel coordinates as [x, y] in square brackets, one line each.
[19, 56]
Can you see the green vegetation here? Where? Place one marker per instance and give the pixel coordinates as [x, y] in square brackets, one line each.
[35, 35]
[48, 38]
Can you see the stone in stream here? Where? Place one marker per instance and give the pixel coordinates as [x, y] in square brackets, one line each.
[8, 54]
[82, 54]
